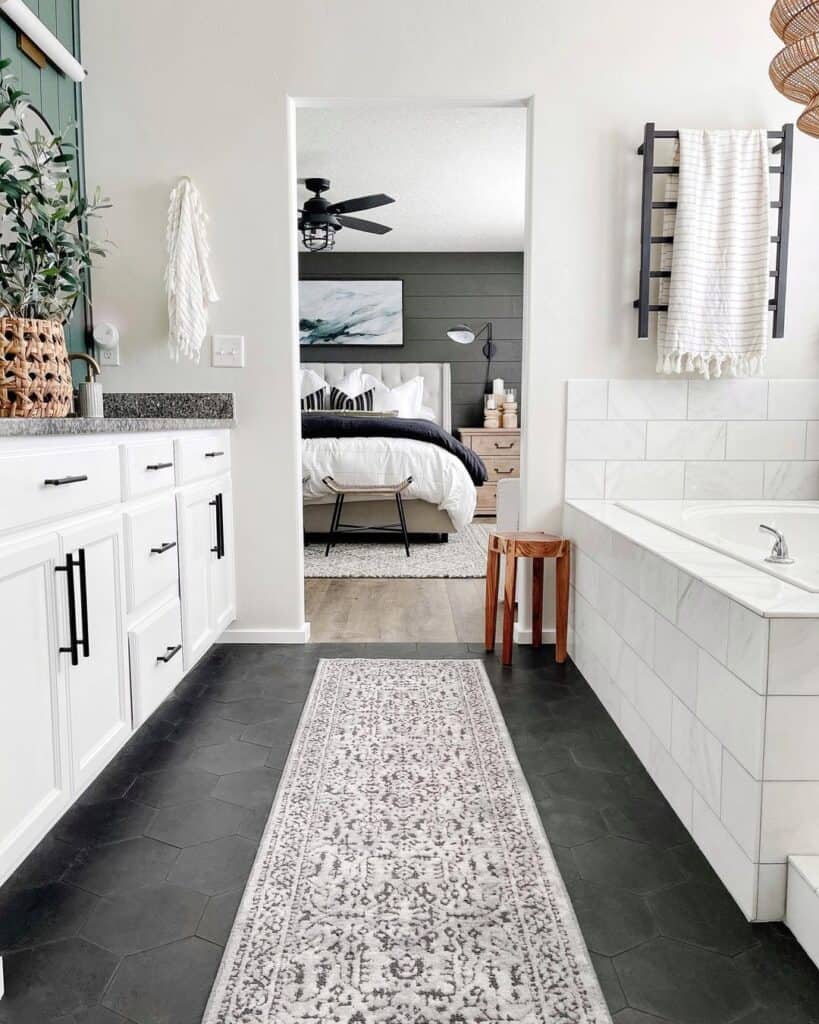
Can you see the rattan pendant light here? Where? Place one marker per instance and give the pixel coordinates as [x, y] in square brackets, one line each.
[795, 70]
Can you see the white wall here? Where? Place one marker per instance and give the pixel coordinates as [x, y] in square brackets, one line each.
[200, 88]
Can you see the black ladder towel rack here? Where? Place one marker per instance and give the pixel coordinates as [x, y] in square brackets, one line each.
[784, 169]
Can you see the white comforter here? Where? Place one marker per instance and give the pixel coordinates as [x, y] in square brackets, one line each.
[438, 477]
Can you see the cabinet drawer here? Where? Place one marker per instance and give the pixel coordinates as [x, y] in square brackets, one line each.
[147, 467]
[41, 486]
[202, 455]
[487, 498]
[152, 565]
[155, 646]
[495, 444]
[502, 469]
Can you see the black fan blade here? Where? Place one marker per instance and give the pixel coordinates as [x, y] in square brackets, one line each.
[362, 203]
[357, 224]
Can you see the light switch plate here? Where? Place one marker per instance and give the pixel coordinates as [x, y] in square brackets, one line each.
[227, 350]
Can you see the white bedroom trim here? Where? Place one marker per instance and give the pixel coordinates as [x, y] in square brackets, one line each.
[266, 636]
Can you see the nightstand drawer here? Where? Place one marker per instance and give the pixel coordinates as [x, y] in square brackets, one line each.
[502, 468]
[487, 499]
[495, 444]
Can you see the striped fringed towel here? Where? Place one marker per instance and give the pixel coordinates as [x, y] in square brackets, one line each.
[717, 318]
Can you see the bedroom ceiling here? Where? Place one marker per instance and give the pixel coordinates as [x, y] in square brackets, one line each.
[457, 174]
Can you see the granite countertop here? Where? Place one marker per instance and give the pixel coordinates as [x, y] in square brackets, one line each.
[133, 413]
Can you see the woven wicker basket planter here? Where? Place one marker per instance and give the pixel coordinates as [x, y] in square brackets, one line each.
[795, 19]
[36, 372]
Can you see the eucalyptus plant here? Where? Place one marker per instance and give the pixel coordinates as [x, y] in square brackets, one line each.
[45, 247]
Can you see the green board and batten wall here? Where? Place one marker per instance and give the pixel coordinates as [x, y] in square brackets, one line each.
[56, 97]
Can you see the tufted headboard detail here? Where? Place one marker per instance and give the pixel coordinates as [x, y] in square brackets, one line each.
[437, 381]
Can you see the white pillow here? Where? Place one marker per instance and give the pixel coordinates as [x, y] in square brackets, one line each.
[426, 413]
[311, 382]
[405, 400]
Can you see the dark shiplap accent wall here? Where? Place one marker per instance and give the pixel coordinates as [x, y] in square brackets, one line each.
[440, 289]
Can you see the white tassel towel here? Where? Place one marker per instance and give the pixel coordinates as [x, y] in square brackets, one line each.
[187, 278]
[717, 320]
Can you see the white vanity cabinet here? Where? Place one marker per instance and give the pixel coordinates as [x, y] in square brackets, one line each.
[206, 569]
[93, 530]
[35, 779]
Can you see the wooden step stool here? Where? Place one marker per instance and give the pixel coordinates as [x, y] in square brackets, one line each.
[537, 546]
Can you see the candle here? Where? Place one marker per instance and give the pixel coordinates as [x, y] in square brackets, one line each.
[497, 386]
[490, 402]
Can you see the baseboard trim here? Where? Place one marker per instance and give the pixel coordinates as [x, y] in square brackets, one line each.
[524, 636]
[266, 636]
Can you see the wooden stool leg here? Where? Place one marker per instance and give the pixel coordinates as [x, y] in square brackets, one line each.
[509, 605]
[491, 609]
[537, 601]
[562, 576]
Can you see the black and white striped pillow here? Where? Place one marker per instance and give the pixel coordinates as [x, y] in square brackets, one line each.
[315, 402]
[361, 403]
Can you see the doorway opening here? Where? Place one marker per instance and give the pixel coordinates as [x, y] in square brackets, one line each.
[411, 264]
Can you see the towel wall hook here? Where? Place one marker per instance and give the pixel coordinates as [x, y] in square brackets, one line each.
[783, 172]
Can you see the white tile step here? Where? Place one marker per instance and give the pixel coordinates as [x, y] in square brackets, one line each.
[802, 909]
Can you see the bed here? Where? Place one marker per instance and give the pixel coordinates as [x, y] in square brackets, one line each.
[441, 499]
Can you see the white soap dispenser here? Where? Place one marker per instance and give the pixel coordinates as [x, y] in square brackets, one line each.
[89, 391]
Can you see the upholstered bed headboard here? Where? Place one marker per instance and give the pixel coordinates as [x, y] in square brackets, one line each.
[437, 381]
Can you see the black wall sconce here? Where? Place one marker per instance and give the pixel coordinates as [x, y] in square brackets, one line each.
[463, 334]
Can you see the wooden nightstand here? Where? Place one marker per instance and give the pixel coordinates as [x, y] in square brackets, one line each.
[500, 451]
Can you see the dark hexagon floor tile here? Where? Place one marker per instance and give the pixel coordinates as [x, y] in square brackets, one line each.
[160, 755]
[173, 786]
[30, 917]
[54, 980]
[47, 862]
[614, 755]
[111, 784]
[204, 732]
[254, 789]
[215, 867]
[566, 865]
[702, 915]
[609, 982]
[695, 865]
[629, 1016]
[646, 822]
[226, 758]
[635, 785]
[277, 757]
[582, 784]
[544, 759]
[781, 976]
[169, 985]
[253, 823]
[218, 917]
[278, 732]
[256, 709]
[626, 864]
[612, 920]
[196, 822]
[684, 984]
[121, 866]
[570, 822]
[96, 1015]
[141, 919]
[104, 822]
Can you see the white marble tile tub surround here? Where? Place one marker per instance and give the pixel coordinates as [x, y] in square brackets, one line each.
[715, 684]
[713, 439]
[802, 915]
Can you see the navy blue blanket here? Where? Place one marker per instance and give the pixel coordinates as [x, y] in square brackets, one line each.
[326, 424]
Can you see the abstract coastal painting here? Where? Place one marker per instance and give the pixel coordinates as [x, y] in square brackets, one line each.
[351, 312]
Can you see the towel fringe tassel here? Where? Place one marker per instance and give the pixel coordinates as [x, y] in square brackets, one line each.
[711, 364]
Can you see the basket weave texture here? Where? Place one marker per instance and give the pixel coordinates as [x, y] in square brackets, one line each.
[35, 371]
[795, 70]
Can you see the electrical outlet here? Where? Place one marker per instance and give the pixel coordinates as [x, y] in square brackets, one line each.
[108, 356]
[227, 350]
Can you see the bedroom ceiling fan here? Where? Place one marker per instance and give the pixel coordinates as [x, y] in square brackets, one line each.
[320, 219]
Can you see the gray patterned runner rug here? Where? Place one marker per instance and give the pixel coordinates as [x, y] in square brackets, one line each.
[404, 876]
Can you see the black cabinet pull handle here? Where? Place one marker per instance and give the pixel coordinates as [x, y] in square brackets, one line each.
[60, 481]
[68, 568]
[218, 504]
[213, 455]
[163, 547]
[160, 465]
[170, 652]
[83, 604]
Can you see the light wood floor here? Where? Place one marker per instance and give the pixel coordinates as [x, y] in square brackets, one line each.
[395, 611]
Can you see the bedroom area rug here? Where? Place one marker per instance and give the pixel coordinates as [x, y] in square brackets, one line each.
[404, 876]
[462, 557]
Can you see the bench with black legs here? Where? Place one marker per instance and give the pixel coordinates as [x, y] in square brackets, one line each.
[337, 528]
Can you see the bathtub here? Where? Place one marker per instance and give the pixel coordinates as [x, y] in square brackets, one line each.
[732, 527]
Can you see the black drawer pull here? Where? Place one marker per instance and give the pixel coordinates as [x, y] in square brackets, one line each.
[213, 455]
[160, 465]
[170, 652]
[163, 547]
[65, 480]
